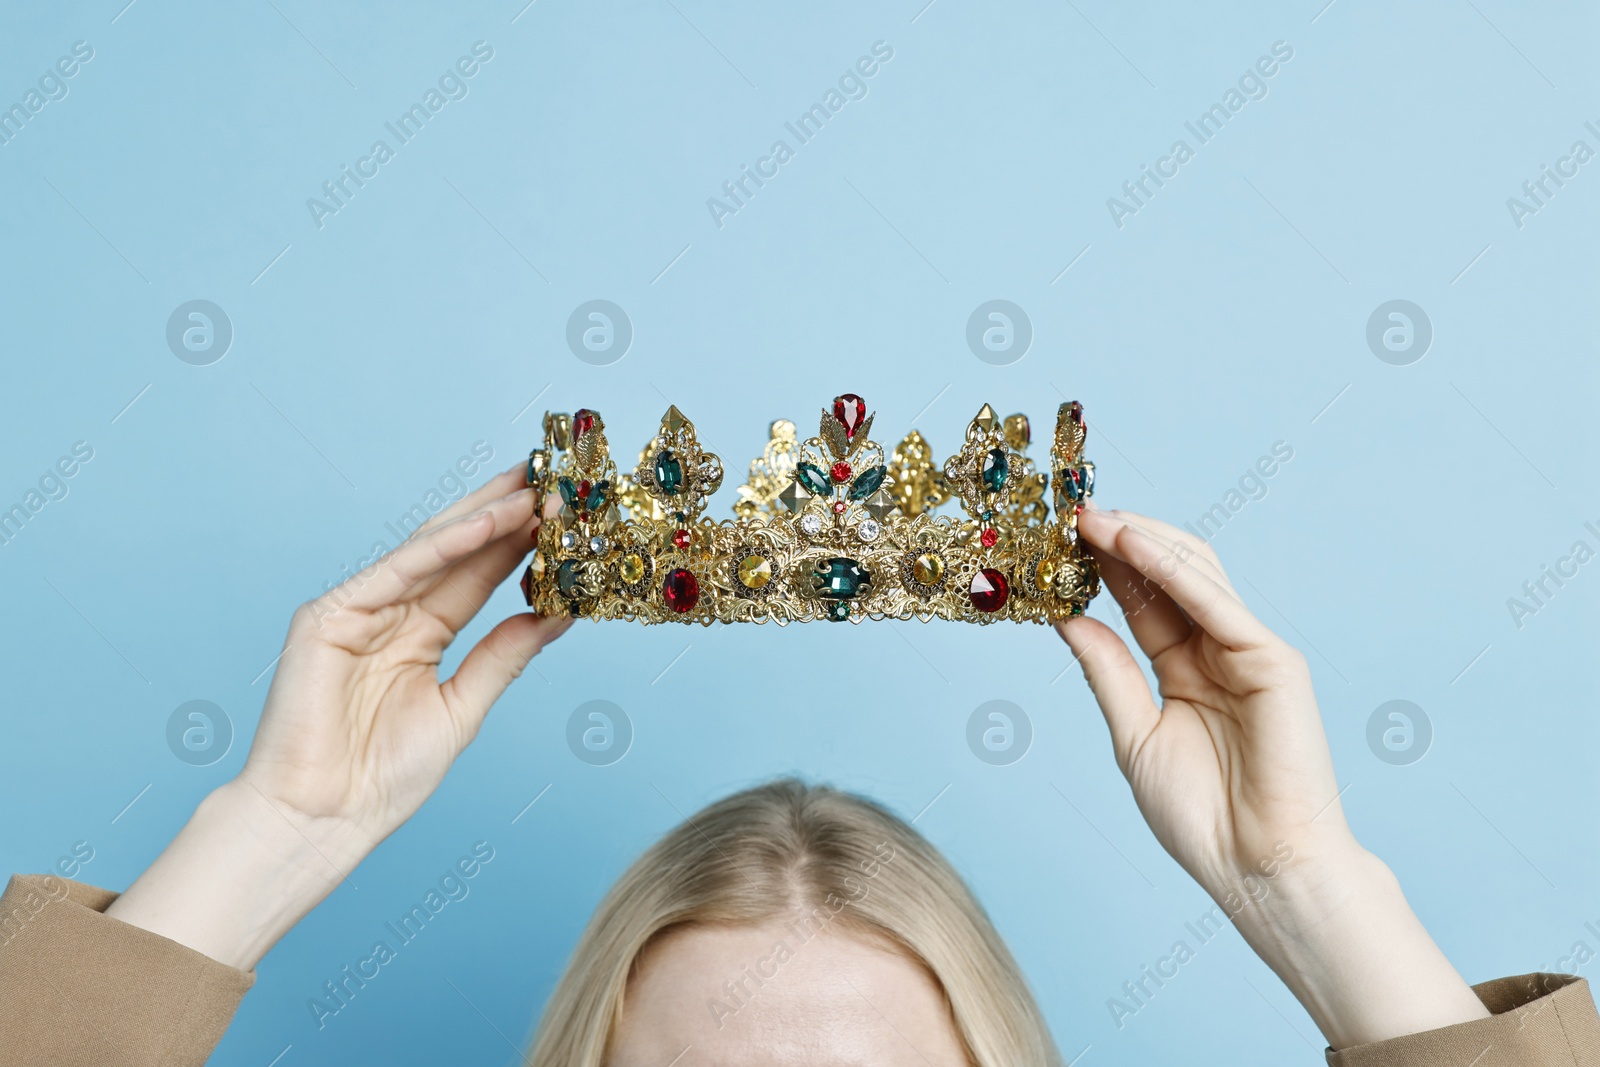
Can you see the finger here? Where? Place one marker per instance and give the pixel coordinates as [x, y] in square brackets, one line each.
[495, 662]
[420, 558]
[461, 591]
[1202, 598]
[502, 484]
[1155, 620]
[552, 506]
[1197, 547]
[1117, 683]
[458, 593]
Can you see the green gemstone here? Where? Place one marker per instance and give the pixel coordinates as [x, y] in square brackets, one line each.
[840, 578]
[814, 478]
[669, 472]
[567, 576]
[867, 482]
[597, 495]
[988, 516]
[994, 470]
[569, 492]
[839, 611]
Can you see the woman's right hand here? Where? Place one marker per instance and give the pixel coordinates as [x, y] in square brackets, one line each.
[358, 729]
[356, 732]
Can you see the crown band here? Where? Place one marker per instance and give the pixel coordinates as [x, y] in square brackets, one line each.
[825, 528]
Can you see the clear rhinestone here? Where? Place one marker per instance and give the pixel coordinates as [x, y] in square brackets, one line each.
[597, 544]
[868, 530]
[569, 539]
[811, 523]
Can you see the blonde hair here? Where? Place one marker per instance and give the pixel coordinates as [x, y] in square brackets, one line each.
[768, 852]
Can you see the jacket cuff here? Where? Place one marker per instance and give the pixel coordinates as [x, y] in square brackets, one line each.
[79, 987]
[1536, 1020]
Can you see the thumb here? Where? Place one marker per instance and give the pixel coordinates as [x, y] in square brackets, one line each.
[497, 661]
[1117, 682]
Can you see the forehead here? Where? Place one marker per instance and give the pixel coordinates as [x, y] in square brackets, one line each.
[770, 996]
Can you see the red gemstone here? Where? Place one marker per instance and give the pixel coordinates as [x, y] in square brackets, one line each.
[527, 586]
[839, 506]
[583, 489]
[989, 590]
[582, 422]
[989, 537]
[680, 590]
[841, 471]
[1075, 410]
[851, 411]
[680, 538]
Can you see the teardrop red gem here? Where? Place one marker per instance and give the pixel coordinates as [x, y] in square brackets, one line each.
[851, 411]
[582, 422]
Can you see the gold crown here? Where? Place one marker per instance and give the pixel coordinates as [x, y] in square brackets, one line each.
[826, 528]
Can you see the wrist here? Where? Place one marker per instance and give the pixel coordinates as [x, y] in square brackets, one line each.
[239, 875]
[1336, 928]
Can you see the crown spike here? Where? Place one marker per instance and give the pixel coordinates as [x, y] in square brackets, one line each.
[986, 420]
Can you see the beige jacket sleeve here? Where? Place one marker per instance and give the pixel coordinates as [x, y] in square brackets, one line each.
[80, 989]
[1536, 1020]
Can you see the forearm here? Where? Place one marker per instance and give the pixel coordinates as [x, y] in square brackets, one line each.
[238, 876]
[1338, 931]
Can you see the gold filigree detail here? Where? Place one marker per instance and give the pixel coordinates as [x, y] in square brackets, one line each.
[918, 482]
[769, 473]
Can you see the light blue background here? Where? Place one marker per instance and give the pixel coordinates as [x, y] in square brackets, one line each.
[1223, 317]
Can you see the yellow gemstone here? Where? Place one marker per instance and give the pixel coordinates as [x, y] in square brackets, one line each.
[537, 564]
[631, 567]
[928, 568]
[1045, 572]
[755, 571]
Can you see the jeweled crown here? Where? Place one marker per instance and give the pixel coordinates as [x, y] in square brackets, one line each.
[825, 528]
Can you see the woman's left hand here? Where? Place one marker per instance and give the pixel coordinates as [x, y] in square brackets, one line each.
[1233, 774]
